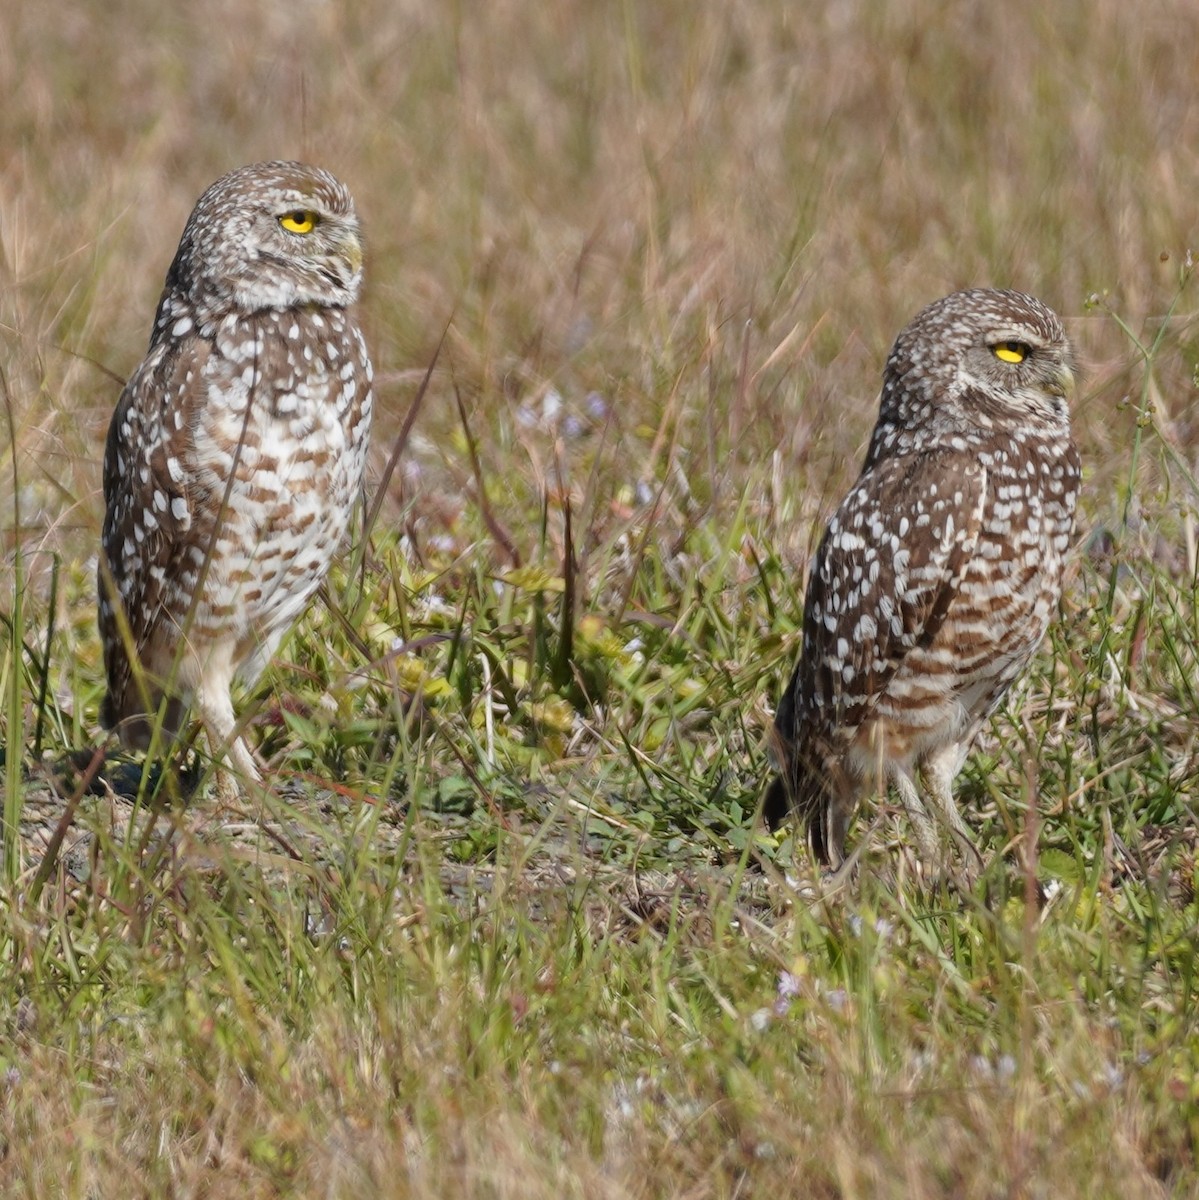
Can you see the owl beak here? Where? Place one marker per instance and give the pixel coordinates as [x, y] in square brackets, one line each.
[351, 248]
[1062, 382]
[343, 266]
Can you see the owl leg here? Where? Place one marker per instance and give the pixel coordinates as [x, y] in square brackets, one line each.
[924, 827]
[939, 771]
[216, 710]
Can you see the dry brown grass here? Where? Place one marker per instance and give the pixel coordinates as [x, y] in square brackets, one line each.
[713, 218]
[602, 196]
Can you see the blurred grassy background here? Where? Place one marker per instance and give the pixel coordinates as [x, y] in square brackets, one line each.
[728, 211]
[671, 244]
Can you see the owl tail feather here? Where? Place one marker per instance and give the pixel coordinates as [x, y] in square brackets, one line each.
[806, 797]
[134, 726]
[776, 807]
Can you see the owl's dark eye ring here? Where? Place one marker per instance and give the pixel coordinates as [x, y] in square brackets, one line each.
[1011, 352]
[300, 220]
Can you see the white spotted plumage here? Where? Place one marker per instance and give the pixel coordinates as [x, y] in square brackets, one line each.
[237, 450]
[938, 575]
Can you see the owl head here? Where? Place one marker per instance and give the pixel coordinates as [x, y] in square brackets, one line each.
[273, 235]
[985, 357]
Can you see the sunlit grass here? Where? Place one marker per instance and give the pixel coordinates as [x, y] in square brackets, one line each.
[507, 926]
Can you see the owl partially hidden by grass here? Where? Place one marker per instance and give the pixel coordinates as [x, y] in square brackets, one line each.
[937, 576]
[236, 452]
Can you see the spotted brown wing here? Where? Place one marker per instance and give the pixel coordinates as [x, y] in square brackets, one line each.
[148, 512]
[885, 575]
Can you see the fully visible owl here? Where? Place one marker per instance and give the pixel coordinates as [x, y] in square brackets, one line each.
[236, 452]
[938, 574]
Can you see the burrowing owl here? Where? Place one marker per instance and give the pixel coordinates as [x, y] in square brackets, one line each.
[236, 452]
[939, 573]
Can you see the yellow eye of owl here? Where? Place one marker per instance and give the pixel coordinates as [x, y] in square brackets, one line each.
[300, 221]
[1012, 352]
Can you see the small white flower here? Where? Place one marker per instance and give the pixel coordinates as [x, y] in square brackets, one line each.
[789, 985]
